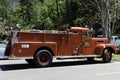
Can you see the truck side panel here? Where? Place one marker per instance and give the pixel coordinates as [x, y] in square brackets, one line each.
[65, 44]
[60, 43]
[28, 49]
[30, 37]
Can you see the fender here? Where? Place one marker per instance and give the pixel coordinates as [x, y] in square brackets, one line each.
[50, 45]
[100, 47]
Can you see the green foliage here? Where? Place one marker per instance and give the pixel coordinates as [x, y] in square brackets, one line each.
[43, 15]
[51, 14]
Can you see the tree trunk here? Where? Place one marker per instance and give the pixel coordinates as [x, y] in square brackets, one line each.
[107, 12]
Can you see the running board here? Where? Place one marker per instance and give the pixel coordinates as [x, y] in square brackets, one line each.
[76, 57]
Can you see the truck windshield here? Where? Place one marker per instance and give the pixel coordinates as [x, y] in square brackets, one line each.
[87, 34]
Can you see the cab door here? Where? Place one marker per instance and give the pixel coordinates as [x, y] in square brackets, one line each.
[86, 47]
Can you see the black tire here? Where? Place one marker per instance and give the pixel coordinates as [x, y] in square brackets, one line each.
[43, 58]
[30, 61]
[90, 59]
[107, 55]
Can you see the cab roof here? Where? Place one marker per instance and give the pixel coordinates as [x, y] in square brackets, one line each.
[79, 29]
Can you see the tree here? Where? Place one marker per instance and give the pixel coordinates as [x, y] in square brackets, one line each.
[107, 14]
[6, 14]
[51, 14]
[26, 10]
[81, 12]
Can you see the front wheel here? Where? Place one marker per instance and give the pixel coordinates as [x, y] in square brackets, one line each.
[107, 55]
[43, 58]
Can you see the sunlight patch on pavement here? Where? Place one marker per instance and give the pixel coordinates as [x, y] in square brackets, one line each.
[109, 73]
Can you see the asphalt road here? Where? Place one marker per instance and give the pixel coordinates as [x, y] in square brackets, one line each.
[72, 70]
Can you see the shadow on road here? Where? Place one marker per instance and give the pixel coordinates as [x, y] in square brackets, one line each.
[8, 67]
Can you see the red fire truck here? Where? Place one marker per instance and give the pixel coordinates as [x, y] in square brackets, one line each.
[41, 47]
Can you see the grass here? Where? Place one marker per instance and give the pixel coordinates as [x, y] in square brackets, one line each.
[116, 57]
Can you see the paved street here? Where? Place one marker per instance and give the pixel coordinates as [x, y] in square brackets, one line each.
[72, 70]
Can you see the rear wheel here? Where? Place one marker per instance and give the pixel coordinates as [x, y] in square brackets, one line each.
[43, 58]
[107, 55]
